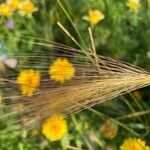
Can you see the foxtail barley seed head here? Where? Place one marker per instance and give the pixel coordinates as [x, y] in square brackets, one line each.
[81, 83]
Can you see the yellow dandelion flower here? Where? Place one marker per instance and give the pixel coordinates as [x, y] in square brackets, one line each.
[147, 148]
[95, 16]
[133, 5]
[61, 70]
[133, 144]
[5, 10]
[27, 8]
[54, 128]
[13, 4]
[29, 81]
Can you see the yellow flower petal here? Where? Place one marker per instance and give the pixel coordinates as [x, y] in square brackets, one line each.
[61, 70]
[147, 148]
[133, 5]
[27, 8]
[29, 81]
[5, 10]
[54, 128]
[13, 4]
[133, 144]
[95, 16]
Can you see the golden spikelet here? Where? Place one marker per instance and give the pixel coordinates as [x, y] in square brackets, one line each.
[97, 79]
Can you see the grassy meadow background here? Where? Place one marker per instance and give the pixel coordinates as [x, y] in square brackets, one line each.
[122, 34]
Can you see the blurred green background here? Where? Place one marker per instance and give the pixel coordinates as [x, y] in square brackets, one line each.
[122, 34]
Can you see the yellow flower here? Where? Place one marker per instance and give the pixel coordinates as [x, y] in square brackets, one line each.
[147, 148]
[29, 81]
[61, 70]
[133, 144]
[133, 5]
[27, 8]
[13, 4]
[95, 16]
[54, 128]
[5, 10]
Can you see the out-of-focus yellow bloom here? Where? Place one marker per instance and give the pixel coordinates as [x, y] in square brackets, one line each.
[5, 10]
[54, 128]
[133, 144]
[109, 129]
[95, 16]
[133, 5]
[29, 81]
[13, 4]
[61, 70]
[147, 148]
[27, 8]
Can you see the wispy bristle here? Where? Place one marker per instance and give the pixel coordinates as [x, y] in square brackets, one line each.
[89, 86]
